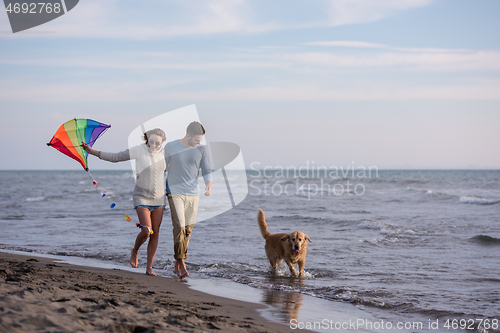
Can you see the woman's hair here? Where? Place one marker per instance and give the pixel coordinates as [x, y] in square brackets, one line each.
[156, 131]
[195, 128]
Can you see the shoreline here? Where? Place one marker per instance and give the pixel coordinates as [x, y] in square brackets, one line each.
[44, 295]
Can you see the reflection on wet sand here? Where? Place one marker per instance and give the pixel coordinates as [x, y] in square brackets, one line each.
[285, 304]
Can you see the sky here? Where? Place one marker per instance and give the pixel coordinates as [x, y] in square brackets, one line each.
[411, 84]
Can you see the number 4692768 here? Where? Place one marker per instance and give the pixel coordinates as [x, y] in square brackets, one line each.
[33, 8]
[471, 324]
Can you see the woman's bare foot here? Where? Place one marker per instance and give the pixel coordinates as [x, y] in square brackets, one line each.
[133, 258]
[149, 271]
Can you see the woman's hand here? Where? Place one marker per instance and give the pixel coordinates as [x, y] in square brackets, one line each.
[89, 149]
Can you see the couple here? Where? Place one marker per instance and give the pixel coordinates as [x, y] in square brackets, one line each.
[182, 159]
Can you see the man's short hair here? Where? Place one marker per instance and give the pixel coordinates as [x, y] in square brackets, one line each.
[195, 128]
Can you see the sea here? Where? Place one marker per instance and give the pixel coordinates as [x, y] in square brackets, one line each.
[391, 250]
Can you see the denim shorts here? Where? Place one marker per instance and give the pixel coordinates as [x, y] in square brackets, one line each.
[151, 208]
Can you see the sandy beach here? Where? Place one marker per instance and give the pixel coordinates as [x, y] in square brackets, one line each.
[40, 295]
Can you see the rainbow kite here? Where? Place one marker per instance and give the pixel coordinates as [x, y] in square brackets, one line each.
[71, 134]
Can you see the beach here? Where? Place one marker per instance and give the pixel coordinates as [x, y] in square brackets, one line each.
[40, 295]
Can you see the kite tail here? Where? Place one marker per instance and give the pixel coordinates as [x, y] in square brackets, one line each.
[95, 182]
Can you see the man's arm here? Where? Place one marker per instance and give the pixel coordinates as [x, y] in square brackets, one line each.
[166, 152]
[208, 188]
[206, 171]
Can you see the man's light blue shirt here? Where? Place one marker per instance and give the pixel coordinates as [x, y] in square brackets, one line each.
[183, 167]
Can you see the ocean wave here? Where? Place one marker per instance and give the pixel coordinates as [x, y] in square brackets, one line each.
[44, 198]
[485, 240]
[426, 191]
[227, 267]
[36, 199]
[357, 212]
[470, 199]
[484, 280]
[296, 217]
[390, 233]
[385, 229]
[22, 249]
[379, 180]
[13, 217]
[284, 182]
[370, 298]
[255, 275]
[103, 256]
[383, 300]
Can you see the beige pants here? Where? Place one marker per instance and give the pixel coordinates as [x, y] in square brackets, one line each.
[183, 209]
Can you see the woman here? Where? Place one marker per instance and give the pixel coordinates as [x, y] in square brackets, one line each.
[149, 191]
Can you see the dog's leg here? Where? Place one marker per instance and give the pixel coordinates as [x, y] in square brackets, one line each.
[292, 269]
[301, 263]
[274, 259]
[275, 265]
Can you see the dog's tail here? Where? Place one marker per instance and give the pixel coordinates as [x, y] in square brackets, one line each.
[261, 220]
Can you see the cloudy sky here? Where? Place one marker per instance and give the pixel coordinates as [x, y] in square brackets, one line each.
[387, 83]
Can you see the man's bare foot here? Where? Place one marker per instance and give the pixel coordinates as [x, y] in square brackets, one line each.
[184, 273]
[180, 268]
[183, 270]
[177, 268]
[133, 258]
[149, 271]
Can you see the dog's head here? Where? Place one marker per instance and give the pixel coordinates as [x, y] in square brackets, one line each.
[297, 241]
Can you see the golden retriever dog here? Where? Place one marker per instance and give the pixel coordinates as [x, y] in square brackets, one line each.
[292, 247]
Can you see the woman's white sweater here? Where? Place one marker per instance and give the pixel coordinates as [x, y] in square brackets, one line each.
[150, 178]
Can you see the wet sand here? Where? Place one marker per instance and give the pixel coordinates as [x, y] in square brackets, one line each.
[40, 295]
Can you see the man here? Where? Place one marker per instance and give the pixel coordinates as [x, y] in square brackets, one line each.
[184, 159]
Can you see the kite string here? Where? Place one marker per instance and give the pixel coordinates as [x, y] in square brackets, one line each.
[95, 183]
[113, 205]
